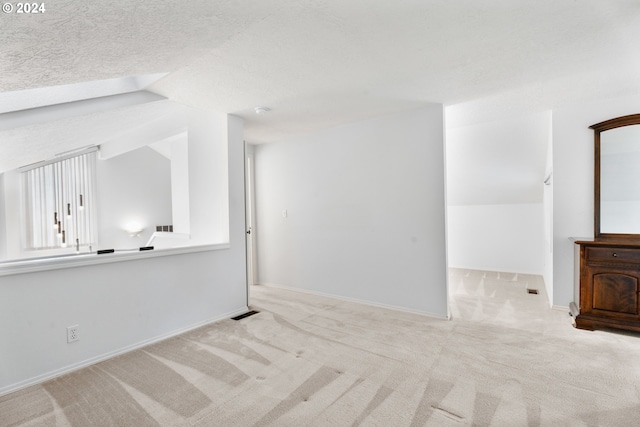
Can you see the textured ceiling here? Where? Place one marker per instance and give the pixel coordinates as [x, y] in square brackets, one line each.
[318, 64]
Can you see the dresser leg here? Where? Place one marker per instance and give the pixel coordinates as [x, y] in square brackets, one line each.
[582, 324]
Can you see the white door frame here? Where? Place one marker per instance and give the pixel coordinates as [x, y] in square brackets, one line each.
[250, 214]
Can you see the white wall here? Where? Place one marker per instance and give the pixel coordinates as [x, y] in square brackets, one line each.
[495, 174]
[573, 181]
[3, 224]
[134, 187]
[13, 239]
[365, 212]
[505, 238]
[208, 178]
[123, 305]
[548, 215]
[180, 212]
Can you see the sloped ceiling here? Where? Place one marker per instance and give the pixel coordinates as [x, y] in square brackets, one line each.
[322, 63]
[499, 162]
[33, 135]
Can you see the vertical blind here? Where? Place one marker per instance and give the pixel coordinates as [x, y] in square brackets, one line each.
[59, 199]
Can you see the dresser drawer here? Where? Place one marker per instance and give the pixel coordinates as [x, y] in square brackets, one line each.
[613, 254]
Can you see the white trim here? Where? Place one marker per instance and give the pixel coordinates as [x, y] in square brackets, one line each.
[93, 360]
[357, 301]
[30, 265]
[561, 308]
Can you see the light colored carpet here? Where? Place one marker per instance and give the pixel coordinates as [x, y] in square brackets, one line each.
[505, 359]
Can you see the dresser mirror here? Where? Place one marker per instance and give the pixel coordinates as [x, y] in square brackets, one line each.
[609, 277]
[617, 179]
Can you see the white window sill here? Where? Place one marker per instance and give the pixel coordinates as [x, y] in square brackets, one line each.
[30, 265]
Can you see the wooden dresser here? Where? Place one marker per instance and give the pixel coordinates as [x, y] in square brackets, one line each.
[609, 269]
[609, 285]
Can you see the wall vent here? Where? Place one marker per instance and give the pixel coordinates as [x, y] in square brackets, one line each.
[532, 291]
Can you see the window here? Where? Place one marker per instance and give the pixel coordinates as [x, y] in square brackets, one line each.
[59, 202]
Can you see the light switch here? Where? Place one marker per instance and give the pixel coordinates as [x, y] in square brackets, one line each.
[284, 213]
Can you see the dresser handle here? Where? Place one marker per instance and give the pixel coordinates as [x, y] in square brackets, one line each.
[615, 254]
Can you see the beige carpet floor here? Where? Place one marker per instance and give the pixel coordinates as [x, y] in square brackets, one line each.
[505, 359]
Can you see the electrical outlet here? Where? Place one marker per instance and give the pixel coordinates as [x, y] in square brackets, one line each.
[72, 333]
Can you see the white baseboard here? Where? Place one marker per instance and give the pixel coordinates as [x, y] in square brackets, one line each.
[92, 361]
[355, 300]
[560, 308]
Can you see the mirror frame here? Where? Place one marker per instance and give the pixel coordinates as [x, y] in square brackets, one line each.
[598, 128]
